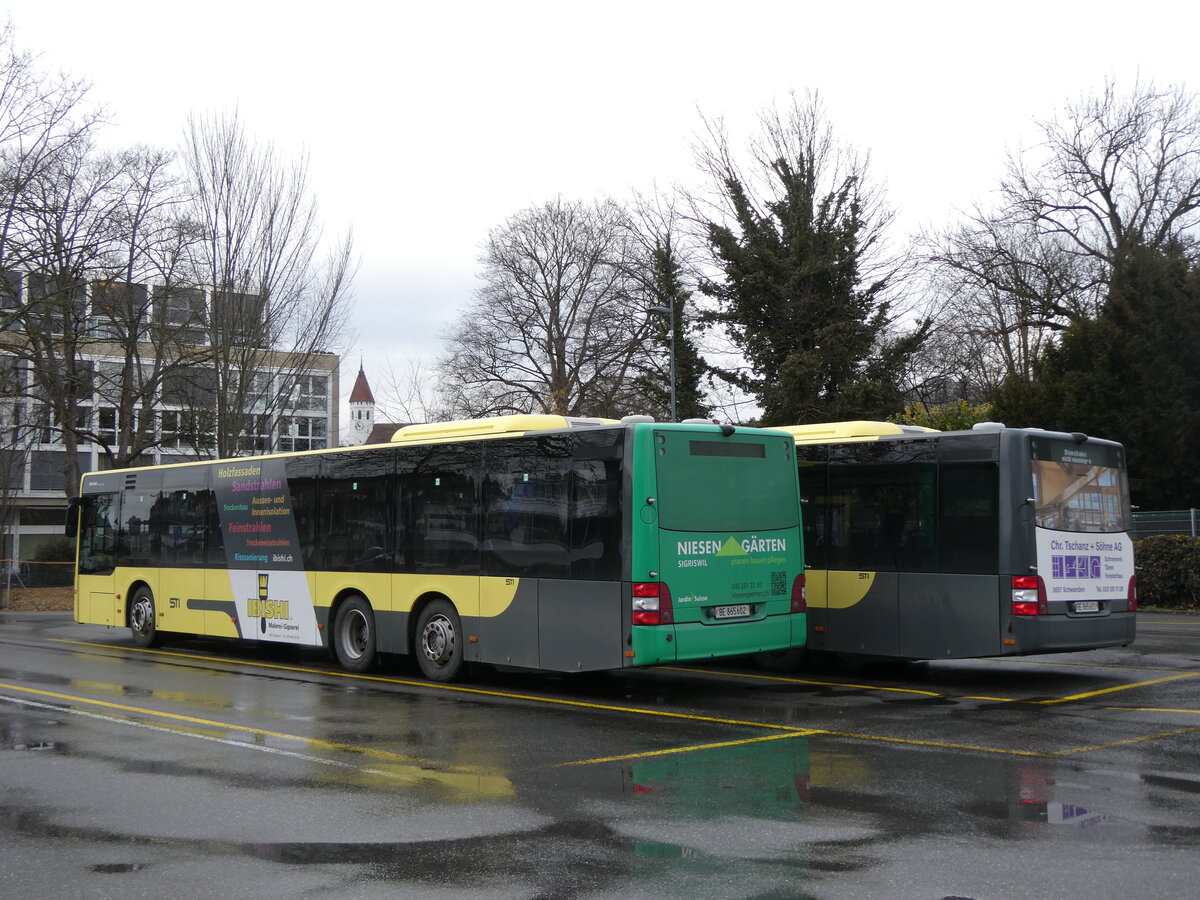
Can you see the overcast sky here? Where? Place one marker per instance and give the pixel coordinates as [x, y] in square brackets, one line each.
[429, 124]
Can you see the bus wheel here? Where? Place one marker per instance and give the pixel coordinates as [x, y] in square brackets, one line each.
[439, 642]
[142, 621]
[354, 635]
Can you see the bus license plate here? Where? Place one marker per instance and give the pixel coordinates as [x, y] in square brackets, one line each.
[731, 612]
[1087, 606]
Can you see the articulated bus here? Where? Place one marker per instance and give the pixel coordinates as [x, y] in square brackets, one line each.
[539, 542]
[935, 545]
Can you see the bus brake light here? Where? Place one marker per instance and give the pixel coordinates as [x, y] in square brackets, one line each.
[1029, 596]
[799, 594]
[652, 603]
[1131, 599]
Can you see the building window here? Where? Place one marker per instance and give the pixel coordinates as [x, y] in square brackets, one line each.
[181, 311]
[118, 308]
[56, 304]
[309, 392]
[10, 299]
[239, 319]
[256, 435]
[302, 433]
[106, 425]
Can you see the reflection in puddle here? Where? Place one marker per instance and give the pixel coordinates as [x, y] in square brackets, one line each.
[1032, 803]
[766, 780]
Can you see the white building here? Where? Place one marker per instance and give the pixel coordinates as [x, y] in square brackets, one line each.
[32, 456]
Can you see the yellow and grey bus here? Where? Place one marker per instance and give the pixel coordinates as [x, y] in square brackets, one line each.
[989, 542]
[540, 542]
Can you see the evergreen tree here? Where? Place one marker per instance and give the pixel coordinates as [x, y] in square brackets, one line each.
[666, 288]
[1132, 375]
[803, 295]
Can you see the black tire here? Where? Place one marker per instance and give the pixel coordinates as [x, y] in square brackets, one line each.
[354, 636]
[439, 642]
[143, 619]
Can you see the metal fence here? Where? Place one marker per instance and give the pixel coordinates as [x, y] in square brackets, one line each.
[22, 578]
[1167, 521]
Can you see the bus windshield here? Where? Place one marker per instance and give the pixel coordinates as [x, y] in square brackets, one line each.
[1080, 487]
[736, 483]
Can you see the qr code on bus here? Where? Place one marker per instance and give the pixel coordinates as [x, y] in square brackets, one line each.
[778, 584]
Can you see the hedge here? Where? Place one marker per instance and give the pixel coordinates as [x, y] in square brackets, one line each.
[1168, 571]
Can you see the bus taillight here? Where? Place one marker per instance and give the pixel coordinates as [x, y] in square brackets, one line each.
[1029, 596]
[799, 594]
[1131, 602]
[652, 603]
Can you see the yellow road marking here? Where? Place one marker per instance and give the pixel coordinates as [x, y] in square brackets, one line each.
[1113, 690]
[941, 745]
[1019, 661]
[453, 688]
[1136, 740]
[790, 730]
[788, 679]
[223, 726]
[691, 749]
[1189, 712]
[995, 699]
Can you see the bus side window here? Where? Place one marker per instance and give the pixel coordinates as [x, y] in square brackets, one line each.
[301, 474]
[596, 519]
[179, 516]
[816, 513]
[969, 529]
[438, 494]
[525, 503]
[355, 512]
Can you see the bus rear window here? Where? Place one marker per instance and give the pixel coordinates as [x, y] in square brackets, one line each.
[727, 448]
[736, 484]
[1079, 487]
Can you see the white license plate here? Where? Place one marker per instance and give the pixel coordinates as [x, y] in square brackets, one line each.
[1086, 606]
[731, 612]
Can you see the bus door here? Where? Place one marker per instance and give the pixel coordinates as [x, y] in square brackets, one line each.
[851, 578]
[95, 585]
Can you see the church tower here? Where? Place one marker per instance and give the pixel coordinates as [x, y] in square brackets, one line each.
[362, 410]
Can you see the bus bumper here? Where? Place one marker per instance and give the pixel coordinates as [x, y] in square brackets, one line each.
[1057, 633]
[690, 641]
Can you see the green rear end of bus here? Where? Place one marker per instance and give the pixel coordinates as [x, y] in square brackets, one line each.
[717, 560]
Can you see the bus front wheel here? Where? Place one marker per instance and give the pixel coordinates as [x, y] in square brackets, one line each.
[354, 635]
[142, 621]
[439, 641]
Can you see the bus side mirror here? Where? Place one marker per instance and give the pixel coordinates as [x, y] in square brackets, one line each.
[75, 508]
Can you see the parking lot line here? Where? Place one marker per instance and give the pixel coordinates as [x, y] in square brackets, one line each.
[1113, 690]
[691, 749]
[788, 679]
[434, 685]
[1136, 740]
[789, 730]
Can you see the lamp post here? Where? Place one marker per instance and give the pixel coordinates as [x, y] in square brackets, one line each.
[670, 312]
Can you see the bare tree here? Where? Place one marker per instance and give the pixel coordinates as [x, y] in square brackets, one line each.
[279, 299]
[558, 322]
[40, 115]
[1113, 172]
[408, 392]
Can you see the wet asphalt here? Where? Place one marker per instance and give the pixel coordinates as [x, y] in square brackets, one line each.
[205, 768]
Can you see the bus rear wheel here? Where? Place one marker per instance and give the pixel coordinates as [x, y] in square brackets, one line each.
[143, 624]
[439, 649]
[354, 635]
